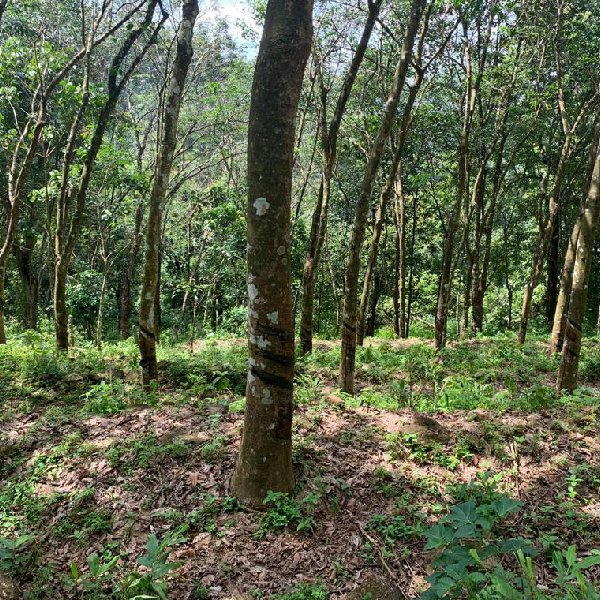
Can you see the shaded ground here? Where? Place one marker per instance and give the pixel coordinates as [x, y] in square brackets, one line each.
[372, 474]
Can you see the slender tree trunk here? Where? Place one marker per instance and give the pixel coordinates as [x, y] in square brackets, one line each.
[348, 354]
[29, 282]
[562, 302]
[448, 252]
[125, 289]
[413, 238]
[2, 301]
[569, 364]
[559, 322]
[371, 320]
[401, 259]
[265, 459]
[67, 233]
[61, 315]
[148, 319]
[552, 280]
[101, 308]
[543, 243]
[329, 141]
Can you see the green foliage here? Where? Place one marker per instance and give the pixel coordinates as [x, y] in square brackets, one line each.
[471, 553]
[102, 573]
[284, 510]
[13, 556]
[469, 545]
[144, 452]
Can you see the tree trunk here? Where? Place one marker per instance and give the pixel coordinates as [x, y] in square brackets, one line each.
[562, 302]
[68, 226]
[552, 280]
[559, 322]
[329, 140]
[401, 260]
[101, 307]
[348, 353]
[371, 317]
[2, 302]
[543, 242]
[29, 281]
[59, 303]
[125, 289]
[569, 364]
[413, 238]
[265, 459]
[448, 252]
[148, 319]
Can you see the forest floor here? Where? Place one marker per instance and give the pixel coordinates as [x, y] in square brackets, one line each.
[106, 493]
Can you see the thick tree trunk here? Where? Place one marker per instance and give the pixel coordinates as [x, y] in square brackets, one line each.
[348, 353]
[569, 364]
[265, 459]
[329, 140]
[149, 314]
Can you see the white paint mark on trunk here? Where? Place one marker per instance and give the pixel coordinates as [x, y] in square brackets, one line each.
[262, 206]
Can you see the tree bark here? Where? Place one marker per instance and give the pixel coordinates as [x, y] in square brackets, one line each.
[125, 288]
[148, 319]
[410, 292]
[559, 321]
[552, 271]
[392, 183]
[348, 354]
[569, 130]
[569, 364]
[400, 286]
[543, 241]
[29, 281]
[448, 252]
[68, 227]
[329, 141]
[265, 459]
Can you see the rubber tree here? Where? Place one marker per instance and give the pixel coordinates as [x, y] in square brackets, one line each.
[148, 325]
[570, 129]
[19, 165]
[350, 317]
[329, 150]
[393, 180]
[588, 226]
[265, 459]
[566, 276]
[71, 203]
[449, 253]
